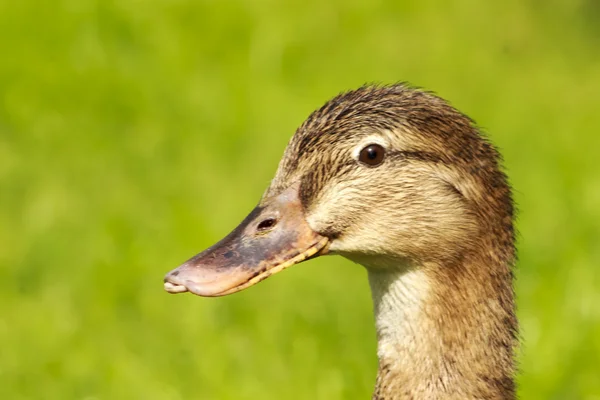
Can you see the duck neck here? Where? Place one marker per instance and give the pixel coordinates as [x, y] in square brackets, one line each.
[445, 331]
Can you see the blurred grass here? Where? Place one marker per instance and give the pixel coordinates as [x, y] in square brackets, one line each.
[134, 134]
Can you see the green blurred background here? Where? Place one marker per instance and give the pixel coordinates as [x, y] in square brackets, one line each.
[133, 134]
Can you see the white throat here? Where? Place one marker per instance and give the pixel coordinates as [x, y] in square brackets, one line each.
[433, 346]
[403, 329]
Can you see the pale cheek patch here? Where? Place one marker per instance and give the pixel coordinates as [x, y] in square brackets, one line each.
[334, 208]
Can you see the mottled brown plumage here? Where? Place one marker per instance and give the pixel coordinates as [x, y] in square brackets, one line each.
[468, 262]
[432, 224]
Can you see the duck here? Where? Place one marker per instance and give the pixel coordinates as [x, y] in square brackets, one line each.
[396, 179]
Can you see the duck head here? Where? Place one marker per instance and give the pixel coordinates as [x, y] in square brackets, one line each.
[389, 177]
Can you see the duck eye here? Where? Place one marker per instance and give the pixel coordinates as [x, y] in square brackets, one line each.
[372, 155]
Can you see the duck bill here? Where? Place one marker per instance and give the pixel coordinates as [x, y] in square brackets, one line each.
[273, 237]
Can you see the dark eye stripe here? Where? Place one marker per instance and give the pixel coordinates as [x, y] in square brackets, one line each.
[416, 155]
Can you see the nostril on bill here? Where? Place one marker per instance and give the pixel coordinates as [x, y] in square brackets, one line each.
[266, 224]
